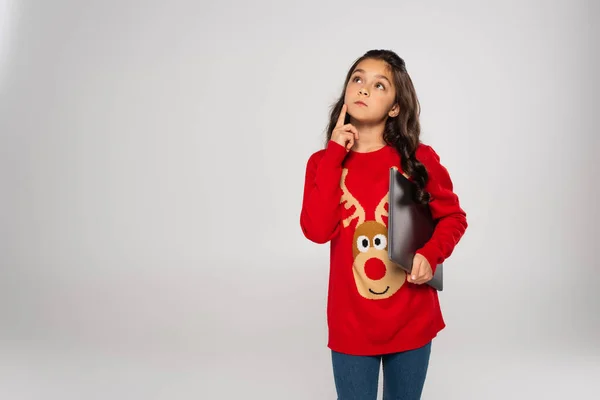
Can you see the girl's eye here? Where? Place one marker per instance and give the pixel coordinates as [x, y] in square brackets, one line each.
[379, 85]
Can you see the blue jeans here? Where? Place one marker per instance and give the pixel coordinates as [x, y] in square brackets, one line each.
[356, 377]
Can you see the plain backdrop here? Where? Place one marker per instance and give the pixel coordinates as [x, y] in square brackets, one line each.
[152, 159]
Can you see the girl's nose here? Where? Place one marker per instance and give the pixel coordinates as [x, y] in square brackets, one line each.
[363, 91]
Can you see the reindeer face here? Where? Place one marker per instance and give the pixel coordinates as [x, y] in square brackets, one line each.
[375, 275]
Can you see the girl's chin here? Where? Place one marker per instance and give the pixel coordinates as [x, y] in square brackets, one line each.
[365, 120]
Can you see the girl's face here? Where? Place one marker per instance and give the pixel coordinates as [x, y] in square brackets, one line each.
[370, 93]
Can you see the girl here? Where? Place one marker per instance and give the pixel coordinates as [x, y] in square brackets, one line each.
[376, 314]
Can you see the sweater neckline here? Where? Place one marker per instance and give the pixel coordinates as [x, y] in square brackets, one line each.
[363, 154]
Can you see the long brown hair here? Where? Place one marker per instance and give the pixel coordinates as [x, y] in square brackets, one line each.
[403, 131]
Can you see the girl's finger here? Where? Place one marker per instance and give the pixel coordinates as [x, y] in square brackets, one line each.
[416, 270]
[353, 129]
[350, 142]
[342, 116]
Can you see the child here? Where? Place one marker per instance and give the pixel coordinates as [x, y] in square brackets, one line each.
[375, 312]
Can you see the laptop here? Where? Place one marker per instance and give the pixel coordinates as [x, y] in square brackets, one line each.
[410, 226]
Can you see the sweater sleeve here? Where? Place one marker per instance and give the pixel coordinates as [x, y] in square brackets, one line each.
[320, 214]
[445, 209]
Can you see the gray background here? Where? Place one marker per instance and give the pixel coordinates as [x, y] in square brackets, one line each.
[152, 166]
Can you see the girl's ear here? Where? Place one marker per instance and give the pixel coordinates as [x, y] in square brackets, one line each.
[394, 111]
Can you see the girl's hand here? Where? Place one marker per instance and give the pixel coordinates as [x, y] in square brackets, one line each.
[344, 134]
[421, 270]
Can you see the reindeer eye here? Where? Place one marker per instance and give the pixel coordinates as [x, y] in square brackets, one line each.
[362, 243]
[380, 241]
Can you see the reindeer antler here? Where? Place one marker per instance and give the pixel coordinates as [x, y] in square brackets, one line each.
[380, 211]
[348, 200]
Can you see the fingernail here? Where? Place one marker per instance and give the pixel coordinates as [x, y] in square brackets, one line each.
[413, 277]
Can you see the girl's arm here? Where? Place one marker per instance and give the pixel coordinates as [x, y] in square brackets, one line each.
[320, 215]
[445, 208]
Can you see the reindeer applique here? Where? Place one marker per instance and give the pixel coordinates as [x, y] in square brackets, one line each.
[375, 275]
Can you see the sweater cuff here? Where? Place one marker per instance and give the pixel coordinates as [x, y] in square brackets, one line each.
[334, 154]
[431, 256]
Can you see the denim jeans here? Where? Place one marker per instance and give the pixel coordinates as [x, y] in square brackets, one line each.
[356, 377]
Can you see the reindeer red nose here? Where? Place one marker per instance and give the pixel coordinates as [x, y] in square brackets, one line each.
[375, 269]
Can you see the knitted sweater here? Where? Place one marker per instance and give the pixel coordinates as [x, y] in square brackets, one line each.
[371, 307]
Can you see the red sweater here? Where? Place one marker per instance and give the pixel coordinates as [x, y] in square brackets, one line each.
[371, 308]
